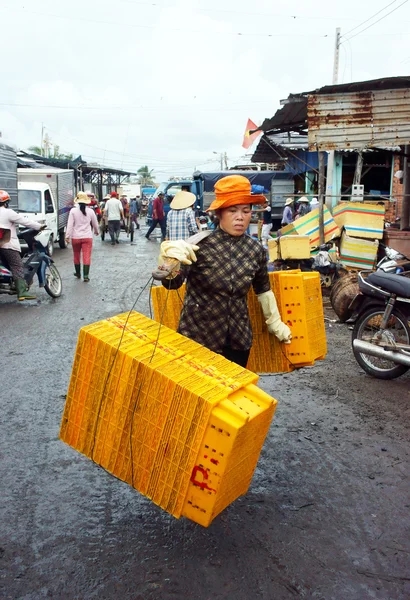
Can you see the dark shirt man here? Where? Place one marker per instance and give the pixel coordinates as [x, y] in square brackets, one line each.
[158, 216]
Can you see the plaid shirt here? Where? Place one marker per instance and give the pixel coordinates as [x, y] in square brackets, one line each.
[215, 310]
[181, 224]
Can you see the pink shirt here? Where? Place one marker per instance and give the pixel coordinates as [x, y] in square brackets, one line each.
[81, 226]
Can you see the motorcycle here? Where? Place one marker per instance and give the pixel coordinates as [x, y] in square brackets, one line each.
[344, 292]
[36, 261]
[322, 262]
[393, 261]
[381, 335]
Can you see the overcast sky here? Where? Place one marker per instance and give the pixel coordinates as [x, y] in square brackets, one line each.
[169, 82]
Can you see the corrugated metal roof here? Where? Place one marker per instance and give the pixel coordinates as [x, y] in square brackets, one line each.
[359, 120]
[385, 83]
[270, 147]
[290, 117]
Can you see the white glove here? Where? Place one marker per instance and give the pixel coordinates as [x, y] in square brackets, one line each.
[180, 250]
[275, 325]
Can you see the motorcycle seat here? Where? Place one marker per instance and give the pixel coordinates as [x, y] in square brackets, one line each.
[395, 284]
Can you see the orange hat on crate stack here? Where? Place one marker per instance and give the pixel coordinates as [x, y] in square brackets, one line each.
[233, 190]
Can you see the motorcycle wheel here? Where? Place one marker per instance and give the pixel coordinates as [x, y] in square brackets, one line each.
[366, 327]
[53, 284]
[50, 245]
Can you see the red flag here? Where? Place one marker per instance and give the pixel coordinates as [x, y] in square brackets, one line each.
[249, 138]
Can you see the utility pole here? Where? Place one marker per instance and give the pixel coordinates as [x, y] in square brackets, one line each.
[42, 139]
[336, 57]
[321, 189]
[47, 144]
[330, 195]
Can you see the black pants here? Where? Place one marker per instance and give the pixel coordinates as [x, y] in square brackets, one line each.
[114, 229]
[162, 224]
[240, 357]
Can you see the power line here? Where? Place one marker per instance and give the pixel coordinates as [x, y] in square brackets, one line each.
[139, 26]
[378, 21]
[132, 107]
[237, 12]
[375, 15]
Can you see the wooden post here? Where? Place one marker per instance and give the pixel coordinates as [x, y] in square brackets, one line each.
[405, 206]
[358, 172]
[321, 194]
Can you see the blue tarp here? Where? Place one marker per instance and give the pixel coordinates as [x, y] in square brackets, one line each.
[263, 178]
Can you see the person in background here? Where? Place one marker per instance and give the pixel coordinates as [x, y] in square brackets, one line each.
[181, 223]
[10, 251]
[304, 207]
[113, 211]
[158, 216]
[314, 203]
[82, 221]
[139, 204]
[134, 212]
[287, 216]
[103, 201]
[94, 205]
[266, 222]
[219, 273]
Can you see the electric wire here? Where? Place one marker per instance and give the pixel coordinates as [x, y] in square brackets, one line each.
[378, 21]
[369, 18]
[126, 24]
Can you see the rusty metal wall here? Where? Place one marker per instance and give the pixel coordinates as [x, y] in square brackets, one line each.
[359, 120]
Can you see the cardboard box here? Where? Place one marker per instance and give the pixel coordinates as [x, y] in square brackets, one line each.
[358, 253]
[294, 247]
[309, 225]
[273, 248]
[361, 220]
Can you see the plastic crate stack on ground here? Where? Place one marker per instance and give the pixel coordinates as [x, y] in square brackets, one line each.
[179, 423]
[173, 300]
[299, 298]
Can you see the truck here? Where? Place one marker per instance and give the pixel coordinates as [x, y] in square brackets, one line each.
[278, 185]
[46, 195]
[8, 170]
[131, 190]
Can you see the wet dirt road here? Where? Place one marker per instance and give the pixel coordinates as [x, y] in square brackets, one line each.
[326, 516]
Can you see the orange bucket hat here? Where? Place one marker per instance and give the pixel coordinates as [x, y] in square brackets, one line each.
[232, 190]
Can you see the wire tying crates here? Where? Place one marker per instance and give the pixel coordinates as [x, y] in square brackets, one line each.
[143, 400]
[299, 298]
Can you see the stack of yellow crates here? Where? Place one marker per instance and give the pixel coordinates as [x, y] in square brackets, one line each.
[299, 298]
[179, 423]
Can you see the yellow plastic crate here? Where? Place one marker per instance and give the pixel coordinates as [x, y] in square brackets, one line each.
[294, 247]
[139, 404]
[168, 305]
[227, 457]
[306, 321]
